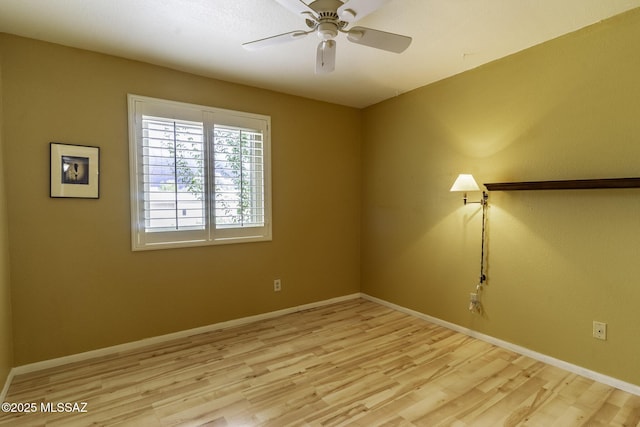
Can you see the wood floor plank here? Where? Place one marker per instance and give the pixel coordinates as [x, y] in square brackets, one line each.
[354, 363]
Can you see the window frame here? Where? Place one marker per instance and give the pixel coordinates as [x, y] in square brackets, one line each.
[139, 106]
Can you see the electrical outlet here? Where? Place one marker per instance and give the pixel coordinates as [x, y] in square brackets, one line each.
[599, 330]
[277, 285]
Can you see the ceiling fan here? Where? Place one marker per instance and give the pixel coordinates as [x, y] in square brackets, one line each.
[328, 18]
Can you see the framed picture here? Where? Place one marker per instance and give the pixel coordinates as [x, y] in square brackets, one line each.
[75, 171]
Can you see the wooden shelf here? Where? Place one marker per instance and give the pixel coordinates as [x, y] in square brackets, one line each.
[575, 184]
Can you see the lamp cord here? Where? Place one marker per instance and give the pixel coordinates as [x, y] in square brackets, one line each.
[475, 305]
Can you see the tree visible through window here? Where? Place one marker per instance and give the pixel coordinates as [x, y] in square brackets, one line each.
[239, 177]
[200, 181]
[174, 174]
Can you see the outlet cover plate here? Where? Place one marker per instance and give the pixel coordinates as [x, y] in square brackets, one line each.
[599, 330]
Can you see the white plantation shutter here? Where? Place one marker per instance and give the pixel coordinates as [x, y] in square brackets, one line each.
[199, 175]
[238, 178]
[173, 175]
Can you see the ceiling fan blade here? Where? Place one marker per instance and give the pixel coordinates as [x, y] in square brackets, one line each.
[274, 40]
[379, 39]
[353, 10]
[326, 57]
[296, 6]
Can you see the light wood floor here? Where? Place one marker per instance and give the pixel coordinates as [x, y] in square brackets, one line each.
[351, 363]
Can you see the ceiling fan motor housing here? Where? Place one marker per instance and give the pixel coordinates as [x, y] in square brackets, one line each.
[327, 30]
[329, 23]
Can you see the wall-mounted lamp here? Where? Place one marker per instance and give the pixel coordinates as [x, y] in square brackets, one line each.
[465, 183]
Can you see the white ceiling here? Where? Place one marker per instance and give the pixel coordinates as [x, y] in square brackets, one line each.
[205, 37]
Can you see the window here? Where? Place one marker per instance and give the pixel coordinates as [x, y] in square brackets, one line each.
[199, 175]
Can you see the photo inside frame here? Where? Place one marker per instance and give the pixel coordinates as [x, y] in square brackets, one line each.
[75, 170]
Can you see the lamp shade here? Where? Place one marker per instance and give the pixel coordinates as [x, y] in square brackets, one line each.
[465, 182]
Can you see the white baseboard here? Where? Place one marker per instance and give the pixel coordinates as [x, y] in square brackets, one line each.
[5, 389]
[51, 363]
[596, 376]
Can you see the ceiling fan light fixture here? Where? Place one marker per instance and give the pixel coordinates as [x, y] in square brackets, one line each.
[326, 57]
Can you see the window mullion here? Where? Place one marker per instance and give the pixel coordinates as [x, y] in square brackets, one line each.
[209, 190]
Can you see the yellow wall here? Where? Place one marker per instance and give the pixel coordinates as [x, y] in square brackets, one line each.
[6, 336]
[567, 109]
[77, 285]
